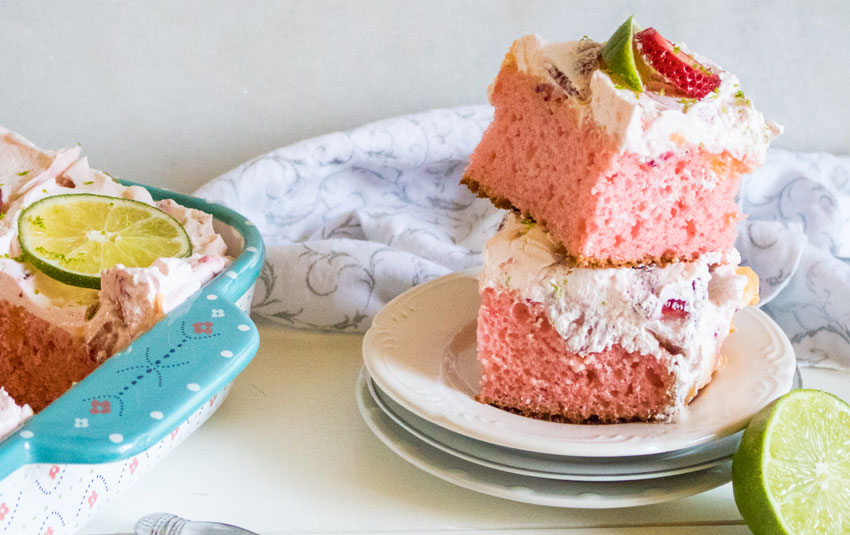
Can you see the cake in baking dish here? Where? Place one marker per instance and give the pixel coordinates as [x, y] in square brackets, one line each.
[53, 334]
[624, 166]
[562, 342]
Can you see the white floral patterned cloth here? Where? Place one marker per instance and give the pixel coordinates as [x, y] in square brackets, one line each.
[797, 237]
[352, 219]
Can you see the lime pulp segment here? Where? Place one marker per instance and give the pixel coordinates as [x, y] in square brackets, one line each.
[72, 238]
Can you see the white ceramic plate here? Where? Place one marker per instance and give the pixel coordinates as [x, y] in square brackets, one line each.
[521, 488]
[420, 351]
[558, 466]
[546, 466]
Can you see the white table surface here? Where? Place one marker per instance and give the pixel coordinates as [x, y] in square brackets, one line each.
[289, 453]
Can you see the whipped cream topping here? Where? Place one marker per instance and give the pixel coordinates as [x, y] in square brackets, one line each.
[683, 309]
[649, 124]
[11, 414]
[137, 296]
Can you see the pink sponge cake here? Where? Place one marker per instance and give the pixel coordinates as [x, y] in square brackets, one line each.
[574, 344]
[623, 165]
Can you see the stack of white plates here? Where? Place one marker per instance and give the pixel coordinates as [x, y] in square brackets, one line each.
[417, 394]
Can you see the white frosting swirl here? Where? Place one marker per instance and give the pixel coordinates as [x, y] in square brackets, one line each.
[11, 414]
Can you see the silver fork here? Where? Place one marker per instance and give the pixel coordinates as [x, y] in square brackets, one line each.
[168, 524]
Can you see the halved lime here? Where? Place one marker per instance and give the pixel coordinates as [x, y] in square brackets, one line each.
[791, 472]
[618, 56]
[72, 238]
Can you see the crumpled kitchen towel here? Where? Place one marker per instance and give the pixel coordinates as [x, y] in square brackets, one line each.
[352, 219]
[797, 237]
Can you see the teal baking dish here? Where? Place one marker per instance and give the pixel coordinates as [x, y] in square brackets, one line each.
[140, 402]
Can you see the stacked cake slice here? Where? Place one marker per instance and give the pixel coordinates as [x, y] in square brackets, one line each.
[609, 289]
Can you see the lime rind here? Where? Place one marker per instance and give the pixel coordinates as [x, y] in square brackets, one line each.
[72, 238]
[619, 57]
[791, 472]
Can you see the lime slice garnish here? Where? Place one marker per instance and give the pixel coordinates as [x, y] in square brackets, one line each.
[72, 238]
[618, 55]
[791, 472]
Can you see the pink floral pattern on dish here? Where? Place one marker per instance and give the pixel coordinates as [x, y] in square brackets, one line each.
[203, 327]
[100, 407]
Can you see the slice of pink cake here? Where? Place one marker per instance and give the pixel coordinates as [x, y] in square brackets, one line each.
[619, 177]
[574, 344]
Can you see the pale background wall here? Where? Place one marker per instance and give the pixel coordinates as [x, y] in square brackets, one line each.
[173, 93]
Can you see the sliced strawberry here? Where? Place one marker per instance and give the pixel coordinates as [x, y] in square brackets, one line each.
[674, 309]
[669, 66]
